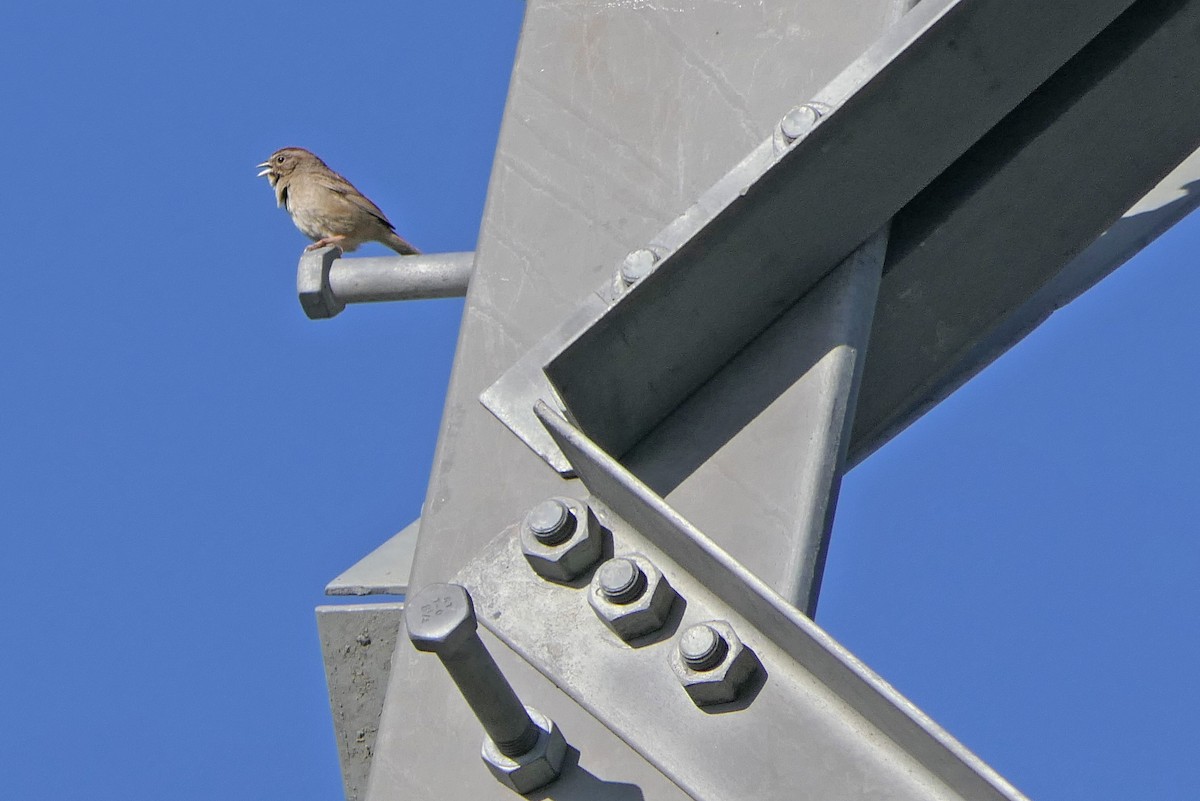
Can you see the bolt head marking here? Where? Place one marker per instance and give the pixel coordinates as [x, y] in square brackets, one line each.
[440, 618]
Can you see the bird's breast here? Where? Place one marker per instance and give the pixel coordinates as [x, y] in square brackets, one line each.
[319, 211]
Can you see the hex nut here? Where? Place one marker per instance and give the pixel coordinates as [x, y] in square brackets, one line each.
[565, 560]
[725, 681]
[645, 614]
[537, 767]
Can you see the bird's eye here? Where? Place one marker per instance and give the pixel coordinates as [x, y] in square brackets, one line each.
[279, 159]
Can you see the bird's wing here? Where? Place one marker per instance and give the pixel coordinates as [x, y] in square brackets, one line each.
[346, 189]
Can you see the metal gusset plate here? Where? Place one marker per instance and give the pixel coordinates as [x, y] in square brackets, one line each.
[813, 723]
[384, 571]
[357, 642]
[768, 231]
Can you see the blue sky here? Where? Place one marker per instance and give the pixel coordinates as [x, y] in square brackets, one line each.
[186, 460]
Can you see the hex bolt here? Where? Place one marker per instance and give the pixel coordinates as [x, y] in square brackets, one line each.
[621, 580]
[637, 265]
[551, 522]
[441, 620]
[798, 122]
[702, 647]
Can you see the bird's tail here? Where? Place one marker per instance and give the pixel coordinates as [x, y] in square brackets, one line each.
[399, 244]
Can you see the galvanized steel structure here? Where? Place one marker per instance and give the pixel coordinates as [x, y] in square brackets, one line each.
[729, 250]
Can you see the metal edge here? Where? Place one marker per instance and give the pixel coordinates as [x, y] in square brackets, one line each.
[384, 571]
[868, 693]
[922, 41]
[1145, 221]
[511, 397]
[357, 642]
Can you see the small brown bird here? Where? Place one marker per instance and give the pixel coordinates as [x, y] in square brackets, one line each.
[325, 206]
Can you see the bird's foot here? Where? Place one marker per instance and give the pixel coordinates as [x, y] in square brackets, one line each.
[326, 241]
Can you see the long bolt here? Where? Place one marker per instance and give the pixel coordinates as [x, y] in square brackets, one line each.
[441, 620]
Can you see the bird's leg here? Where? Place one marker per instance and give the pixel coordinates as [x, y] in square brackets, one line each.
[326, 241]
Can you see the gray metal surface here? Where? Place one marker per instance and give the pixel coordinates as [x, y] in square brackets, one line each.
[512, 396]
[983, 255]
[780, 411]
[620, 115]
[357, 644]
[440, 619]
[326, 282]
[948, 306]
[786, 400]
[594, 157]
[818, 724]
[535, 768]
[929, 343]
[773, 226]
[384, 571]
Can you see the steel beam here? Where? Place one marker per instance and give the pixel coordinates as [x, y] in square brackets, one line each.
[771, 228]
[785, 401]
[928, 340]
[591, 162]
[984, 254]
[937, 295]
[947, 306]
[817, 724]
[618, 117]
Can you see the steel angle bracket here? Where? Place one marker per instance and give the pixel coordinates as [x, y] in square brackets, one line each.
[937, 81]
[836, 730]
[512, 397]
[982, 255]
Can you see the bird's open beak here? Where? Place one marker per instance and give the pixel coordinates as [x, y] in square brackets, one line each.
[266, 165]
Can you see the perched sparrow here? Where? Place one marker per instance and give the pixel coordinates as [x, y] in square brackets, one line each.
[325, 206]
